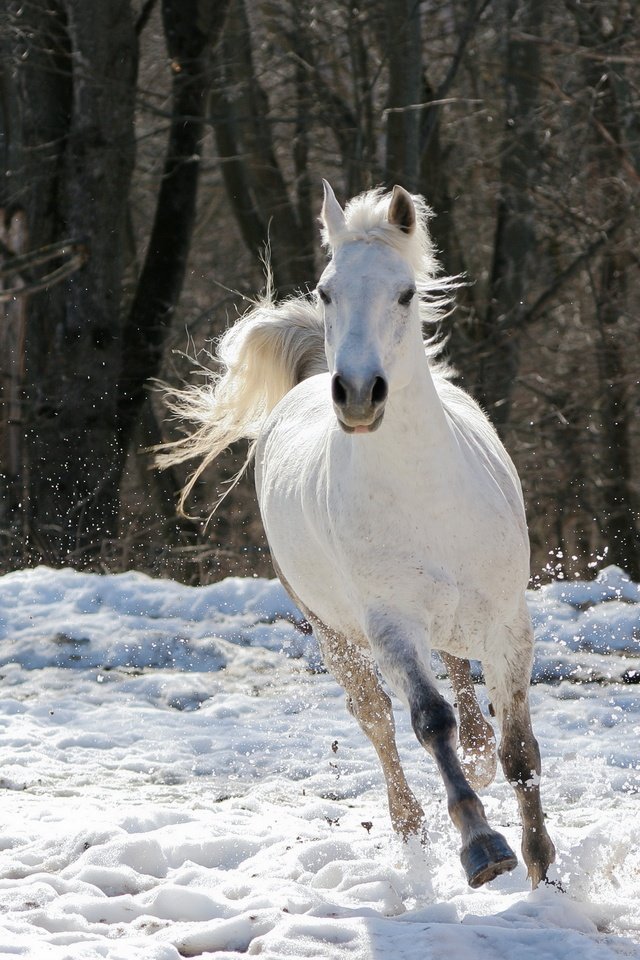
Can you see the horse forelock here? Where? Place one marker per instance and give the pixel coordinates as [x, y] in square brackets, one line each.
[366, 220]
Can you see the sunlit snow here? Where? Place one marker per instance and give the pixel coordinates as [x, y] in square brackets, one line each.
[180, 779]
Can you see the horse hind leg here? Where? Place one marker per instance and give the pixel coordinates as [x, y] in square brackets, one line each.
[371, 707]
[477, 739]
[520, 759]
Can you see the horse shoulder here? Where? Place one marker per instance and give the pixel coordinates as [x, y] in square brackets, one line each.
[485, 450]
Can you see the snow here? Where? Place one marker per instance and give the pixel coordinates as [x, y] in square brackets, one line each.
[181, 779]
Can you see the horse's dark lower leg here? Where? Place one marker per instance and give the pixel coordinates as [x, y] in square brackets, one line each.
[477, 739]
[400, 649]
[485, 853]
[520, 758]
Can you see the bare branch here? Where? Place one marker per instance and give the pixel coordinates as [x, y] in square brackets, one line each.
[534, 311]
[430, 103]
[430, 120]
[46, 282]
[145, 14]
[26, 261]
[576, 50]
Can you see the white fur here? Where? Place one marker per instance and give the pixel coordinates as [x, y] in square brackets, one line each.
[262, 356]
[394, 540]
[425, 516]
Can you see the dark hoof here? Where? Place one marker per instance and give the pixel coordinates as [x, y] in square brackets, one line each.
[486, 858]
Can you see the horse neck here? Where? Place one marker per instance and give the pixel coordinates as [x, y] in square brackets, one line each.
[415, 433]
[417, 409]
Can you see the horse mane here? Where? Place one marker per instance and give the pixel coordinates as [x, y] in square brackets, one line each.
[276, 345]
[366, 220]
[273, 347]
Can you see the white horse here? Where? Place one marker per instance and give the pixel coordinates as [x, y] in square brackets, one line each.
[393, 513]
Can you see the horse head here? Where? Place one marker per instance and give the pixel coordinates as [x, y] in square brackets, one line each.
[371, 316]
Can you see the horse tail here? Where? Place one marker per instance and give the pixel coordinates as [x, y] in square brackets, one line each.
[264, 355]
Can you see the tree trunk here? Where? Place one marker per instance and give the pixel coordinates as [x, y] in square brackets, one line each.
[70, 157]
[404, 55]
[14, 240]
[614, 143]
[619, 521]
[514, 257]
[191, 28]
[435, 175]
[256, 185]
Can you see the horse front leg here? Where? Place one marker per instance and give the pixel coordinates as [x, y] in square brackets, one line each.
[485, 853]
[477, 739]
[520, 758]
[353, 669]
[370, 705]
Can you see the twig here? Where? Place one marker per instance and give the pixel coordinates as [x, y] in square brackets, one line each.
[21, 266]
[605, 237]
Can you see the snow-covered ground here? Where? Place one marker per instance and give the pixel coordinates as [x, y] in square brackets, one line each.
[180, 779]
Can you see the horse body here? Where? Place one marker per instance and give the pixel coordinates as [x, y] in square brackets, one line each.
[393, 513]
[411, 516]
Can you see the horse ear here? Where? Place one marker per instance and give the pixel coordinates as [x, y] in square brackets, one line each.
[402, 212]
[332, 213]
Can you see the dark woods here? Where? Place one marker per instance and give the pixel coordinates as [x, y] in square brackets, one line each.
[151, 151]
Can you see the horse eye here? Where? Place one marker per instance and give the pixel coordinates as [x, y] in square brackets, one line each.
[324, 296]
[405, 298]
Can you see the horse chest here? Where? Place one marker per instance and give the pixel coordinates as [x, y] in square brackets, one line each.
[407, 521]
[354, 532]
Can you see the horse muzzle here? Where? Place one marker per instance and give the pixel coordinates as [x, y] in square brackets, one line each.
[359, 404]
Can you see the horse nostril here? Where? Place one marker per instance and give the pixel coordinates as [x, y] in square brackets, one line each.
[338, 390]
[379, 391]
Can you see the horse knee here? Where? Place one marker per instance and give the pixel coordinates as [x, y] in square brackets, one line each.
[433, 721]
[520, 758]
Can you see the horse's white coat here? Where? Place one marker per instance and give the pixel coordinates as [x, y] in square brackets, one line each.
[420, 521]
[393, 512]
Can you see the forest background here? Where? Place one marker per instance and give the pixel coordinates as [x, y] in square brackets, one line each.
[152, 151]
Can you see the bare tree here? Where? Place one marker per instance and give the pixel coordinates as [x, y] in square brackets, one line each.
[256, 185]
[68, 82]
[69, 96]
[517, 121]
[615, 181]
[514, 264]
[191, 29]
[403, 50]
